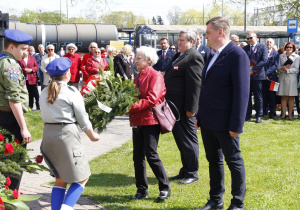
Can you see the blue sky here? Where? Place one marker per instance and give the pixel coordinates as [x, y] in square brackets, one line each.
[147, 8]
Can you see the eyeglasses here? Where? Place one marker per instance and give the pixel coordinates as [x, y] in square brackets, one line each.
[97, 52]
[71, 49]
[172, 48]
[50, 49]
[249, 38]
[288, 47]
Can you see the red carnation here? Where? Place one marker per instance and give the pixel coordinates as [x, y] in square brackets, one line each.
[15, 194]
[8, 148]
[8, 181]
[17, 141]
[1, 137]
[1, 204]
[39, 158]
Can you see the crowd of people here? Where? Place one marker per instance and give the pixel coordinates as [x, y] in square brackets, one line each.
[211, 86]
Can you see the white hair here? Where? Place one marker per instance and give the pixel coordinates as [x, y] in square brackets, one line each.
[271, 40]
[50, 45]
[111, 49]
[149, 53]
[71, 45]
[190, 34]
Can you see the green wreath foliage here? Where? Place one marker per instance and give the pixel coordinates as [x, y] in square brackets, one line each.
[112, 92]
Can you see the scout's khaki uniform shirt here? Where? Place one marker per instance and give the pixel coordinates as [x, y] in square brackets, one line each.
[12, 83]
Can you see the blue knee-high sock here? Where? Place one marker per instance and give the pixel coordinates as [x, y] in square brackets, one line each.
[73, 194]
[57, 197]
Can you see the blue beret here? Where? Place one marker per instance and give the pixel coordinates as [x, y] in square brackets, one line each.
[58, 66]
[17, 36]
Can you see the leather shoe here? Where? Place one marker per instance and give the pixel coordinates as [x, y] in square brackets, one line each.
[178, 176]
[234, 207]
[188, 180]
[258, 120]
[164, 195]
[212, 205]
[139, 196]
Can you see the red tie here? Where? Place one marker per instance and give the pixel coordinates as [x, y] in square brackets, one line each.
[164, 53]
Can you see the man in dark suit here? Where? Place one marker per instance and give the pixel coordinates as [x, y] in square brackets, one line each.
[222, 109]
[269, 99]
[165, 56]
[183, 80]
[258, 56]
[203, 50]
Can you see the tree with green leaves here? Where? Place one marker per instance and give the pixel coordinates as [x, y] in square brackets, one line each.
[174, 15]
[159, 20]
[123, 19]
[154, 21]
[191, 17]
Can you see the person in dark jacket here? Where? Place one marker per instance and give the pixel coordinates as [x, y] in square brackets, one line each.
[145, 127]
[122, 63]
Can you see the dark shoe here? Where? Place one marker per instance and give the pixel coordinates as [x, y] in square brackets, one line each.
[178, 176]
[258, 120]
[234, 207]
[212, 205]
[164, 195]
[248, 118]
[188, 180]
[272, 117]
[139, 196]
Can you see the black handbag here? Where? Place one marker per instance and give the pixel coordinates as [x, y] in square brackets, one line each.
[165, 116]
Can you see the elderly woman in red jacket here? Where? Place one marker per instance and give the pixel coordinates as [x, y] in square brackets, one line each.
[145, 127]
[75, 67]
[30, 68]
[92, 66]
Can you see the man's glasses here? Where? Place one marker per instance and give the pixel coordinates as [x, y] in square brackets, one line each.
[50, 49]
[249, 38]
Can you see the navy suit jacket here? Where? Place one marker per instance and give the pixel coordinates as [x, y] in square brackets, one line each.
[225, 91]
[271, 65]
[164, 65]
[260, 57]
[204, 51]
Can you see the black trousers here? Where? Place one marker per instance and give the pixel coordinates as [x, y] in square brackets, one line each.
[256, 87]
[217, 144]
[145, 141]
[33, 94]
[269, 99]
[185, 135]
[9, 122]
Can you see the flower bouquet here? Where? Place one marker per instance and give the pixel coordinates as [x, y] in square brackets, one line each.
[13, 160]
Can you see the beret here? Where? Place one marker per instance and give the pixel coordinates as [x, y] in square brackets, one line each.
[17, 36]
[58, 66]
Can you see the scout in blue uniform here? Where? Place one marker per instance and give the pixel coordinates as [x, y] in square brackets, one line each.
[13, 92]
[62, 108]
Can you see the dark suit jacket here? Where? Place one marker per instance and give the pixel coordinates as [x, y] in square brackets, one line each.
[204, 51]
[271, 65]
[225, 91]
[183, 80]
[163, 65]
[260, 57]
[31, 64]
[122, 67]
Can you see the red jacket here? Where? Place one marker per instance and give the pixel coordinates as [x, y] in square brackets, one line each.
[92, 66]
[152, 92]
[31, 64]
[75, 67]
[83, 65]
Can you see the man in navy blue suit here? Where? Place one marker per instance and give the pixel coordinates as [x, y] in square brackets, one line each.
[165, 56]
[203, 50]
[222, 108]
[269, 99]
[258, 56]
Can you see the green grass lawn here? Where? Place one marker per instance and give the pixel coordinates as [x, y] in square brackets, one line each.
[271, 154]
[35, 124]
